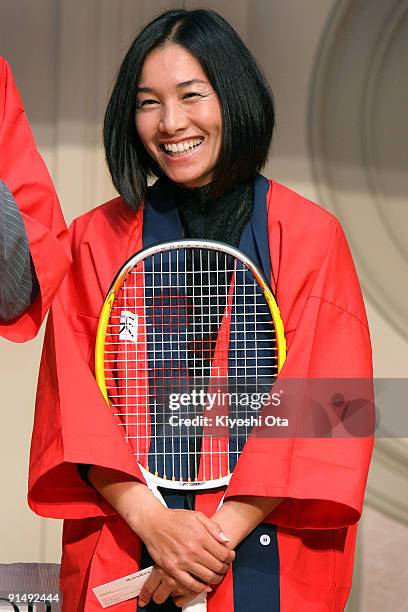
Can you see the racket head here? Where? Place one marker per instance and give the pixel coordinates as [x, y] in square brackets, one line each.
[165, 289]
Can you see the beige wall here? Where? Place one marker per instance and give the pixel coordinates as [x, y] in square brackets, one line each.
[337, 82]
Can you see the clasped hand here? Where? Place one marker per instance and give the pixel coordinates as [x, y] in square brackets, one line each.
[190, 553]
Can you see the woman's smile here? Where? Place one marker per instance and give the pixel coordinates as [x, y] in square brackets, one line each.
[181, 149]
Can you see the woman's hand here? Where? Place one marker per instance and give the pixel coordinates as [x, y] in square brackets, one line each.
[160, 585]
[186, 544]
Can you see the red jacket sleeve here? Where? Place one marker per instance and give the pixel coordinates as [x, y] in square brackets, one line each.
[72, 423]
[25, 174]
[322, 480]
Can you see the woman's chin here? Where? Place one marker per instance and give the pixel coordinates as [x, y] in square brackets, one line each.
[188, 179]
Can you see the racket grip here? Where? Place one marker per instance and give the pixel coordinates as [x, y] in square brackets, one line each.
[198, 604]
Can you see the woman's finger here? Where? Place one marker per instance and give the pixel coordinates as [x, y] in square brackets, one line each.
[149, 587]
[212, 563]
[189, 582]
[162, 592]
[217, 544]
[204, 574]
[220, 551]
[213, 528]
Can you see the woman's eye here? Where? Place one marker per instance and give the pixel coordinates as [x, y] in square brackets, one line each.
[144, 103]
[192, 94]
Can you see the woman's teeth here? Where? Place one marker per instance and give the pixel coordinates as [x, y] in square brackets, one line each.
[182, 147]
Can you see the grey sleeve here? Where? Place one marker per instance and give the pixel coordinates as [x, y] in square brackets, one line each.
[18, 282]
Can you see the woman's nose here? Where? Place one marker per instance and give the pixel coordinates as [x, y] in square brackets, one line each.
[173, 119]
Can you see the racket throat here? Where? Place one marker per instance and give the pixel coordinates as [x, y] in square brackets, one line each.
[194, 454]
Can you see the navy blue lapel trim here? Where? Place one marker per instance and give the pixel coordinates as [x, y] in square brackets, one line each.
[161, 221]
[259, 222]
[254, 240]
[256, 572]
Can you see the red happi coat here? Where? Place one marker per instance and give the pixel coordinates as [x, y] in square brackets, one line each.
[321, 480]
[25, 174]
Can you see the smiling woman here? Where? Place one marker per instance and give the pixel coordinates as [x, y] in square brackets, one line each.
[178, 116]
[188, 77]
[191, 108]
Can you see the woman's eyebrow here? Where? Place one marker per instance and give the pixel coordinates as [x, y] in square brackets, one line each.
[190, 82]
[144, 89]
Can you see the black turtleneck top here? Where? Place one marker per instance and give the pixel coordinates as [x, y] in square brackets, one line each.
[221, 219]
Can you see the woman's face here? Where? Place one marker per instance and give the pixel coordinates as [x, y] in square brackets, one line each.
[178, 116]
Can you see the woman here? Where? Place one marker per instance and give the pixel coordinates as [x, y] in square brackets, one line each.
[191, 107]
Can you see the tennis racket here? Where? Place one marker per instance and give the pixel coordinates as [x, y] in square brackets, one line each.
[187, 330]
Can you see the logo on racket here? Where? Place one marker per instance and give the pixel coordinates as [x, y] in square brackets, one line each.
[128, 326]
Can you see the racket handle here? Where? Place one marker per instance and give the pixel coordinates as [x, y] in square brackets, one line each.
[198, 604]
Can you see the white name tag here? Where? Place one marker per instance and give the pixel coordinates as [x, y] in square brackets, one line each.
[122, 589]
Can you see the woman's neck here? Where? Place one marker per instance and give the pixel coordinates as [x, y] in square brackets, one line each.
[214, 218]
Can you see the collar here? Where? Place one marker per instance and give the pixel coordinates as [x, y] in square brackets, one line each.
[161, 222]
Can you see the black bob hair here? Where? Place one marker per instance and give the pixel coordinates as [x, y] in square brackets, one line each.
[246, 101]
